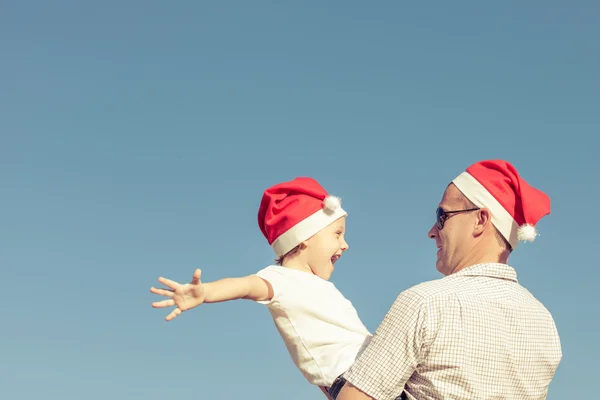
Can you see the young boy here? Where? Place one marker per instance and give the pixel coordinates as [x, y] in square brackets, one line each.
[321, 329]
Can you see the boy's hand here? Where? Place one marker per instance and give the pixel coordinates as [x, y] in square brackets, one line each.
[184, 297]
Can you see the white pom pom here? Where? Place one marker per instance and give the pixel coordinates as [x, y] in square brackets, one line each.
[332, 203]
[526, 233]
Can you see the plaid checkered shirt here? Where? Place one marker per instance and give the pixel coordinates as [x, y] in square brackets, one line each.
[475, 334]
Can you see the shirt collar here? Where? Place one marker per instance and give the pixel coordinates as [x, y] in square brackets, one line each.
[492, 270]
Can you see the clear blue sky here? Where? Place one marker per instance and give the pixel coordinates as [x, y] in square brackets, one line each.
[137, 138]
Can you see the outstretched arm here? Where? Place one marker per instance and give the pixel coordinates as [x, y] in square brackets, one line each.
[190, 295]
[249, 287]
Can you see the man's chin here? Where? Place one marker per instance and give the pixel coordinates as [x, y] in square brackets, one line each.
[440, 267]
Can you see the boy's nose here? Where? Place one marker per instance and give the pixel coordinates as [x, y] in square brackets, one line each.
[345, 246]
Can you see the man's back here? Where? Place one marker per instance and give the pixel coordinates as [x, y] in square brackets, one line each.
[487, 334]
[478, 335]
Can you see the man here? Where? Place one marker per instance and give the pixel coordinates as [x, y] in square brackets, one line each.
[476, 333]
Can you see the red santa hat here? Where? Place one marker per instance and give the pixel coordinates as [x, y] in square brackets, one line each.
[292, 212]
[516, 207]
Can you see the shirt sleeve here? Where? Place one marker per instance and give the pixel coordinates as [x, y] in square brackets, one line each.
[395, 350]
[277, 281]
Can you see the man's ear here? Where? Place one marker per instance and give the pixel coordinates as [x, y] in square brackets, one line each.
[484, 220]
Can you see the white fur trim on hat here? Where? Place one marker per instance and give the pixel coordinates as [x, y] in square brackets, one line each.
[478, 194]
[331, 203]
[308, 227]
[527, 233]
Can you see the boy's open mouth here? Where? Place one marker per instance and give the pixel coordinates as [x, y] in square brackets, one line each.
[335, 258]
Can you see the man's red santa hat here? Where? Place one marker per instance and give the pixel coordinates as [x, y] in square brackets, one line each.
[292, 212]
[516, 207]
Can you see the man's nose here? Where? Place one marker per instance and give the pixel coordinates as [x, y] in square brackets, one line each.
[433, 232]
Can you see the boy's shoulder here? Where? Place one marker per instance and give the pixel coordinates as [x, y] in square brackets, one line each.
[282, 273]
[289, 277]
[274, 270]
[287, 272]
[272, 267]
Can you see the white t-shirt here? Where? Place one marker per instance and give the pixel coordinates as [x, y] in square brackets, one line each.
[319, 326]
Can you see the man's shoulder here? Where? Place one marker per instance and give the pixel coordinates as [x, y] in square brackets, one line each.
[435, 288]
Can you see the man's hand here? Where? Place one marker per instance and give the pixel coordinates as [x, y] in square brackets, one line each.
[184, 297]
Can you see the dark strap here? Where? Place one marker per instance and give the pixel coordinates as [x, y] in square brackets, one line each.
[338, 384]
[336, 387]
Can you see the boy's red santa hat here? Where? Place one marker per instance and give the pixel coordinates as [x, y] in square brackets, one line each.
[516, 207]
[292, 212]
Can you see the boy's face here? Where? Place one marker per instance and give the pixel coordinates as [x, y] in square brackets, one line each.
[325, 248]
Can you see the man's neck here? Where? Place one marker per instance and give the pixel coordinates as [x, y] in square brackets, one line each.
[483, 258]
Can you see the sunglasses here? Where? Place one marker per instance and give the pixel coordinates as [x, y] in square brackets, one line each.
[441, 216]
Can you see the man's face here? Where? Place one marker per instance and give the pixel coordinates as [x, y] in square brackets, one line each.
[326, 247]
[455, 240]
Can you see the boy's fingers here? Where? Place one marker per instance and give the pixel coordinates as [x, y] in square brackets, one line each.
[162, 292]
[168, 282]
[173, 314]
[196, 277]
[164, 303]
